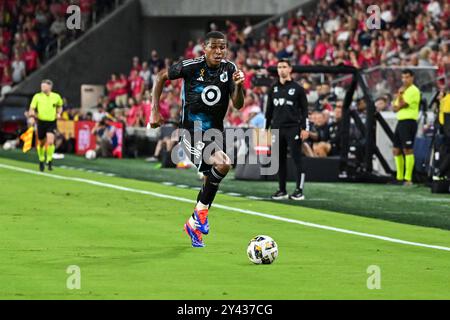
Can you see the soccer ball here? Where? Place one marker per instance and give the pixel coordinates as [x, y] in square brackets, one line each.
[262, 250]
[7, 145]
[90, 154]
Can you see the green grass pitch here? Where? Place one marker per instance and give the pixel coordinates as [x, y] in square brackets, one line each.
[130, 245]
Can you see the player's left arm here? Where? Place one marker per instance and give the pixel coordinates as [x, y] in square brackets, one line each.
[400, 102]
[238, 93]
[59, 107]
[304, 122]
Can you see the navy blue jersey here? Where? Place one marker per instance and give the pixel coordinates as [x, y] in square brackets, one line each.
[206, 92]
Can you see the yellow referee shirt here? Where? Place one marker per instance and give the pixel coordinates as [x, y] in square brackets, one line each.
[46, 105]
[412, 97]
[444, 108]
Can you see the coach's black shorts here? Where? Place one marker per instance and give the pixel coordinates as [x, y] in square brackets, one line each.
[45, 126]
[199, 147]
[405, 133]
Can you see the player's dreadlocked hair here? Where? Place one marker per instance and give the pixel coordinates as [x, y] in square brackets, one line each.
[214, 35]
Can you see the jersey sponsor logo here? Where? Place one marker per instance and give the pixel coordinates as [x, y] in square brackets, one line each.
[224, 76]
[279, 102]
[291, 91]
[211, 95]
[289, 103]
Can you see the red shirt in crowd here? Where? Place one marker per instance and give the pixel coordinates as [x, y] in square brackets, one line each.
[146, 110]
[31, 60]
[86, 6]
[112, 91]
[6, 79]
[4, 63]
[133, 115]
[320, 51]
[137, 85]
[123, 86]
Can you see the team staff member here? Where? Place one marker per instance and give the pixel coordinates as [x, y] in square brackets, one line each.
[48, 106]
[406, 105]
[287, 110]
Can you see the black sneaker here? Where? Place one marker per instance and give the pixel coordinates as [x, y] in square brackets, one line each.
[297, 195]
[49, 165]
[280, 195]
[41, 166]
[396, 182]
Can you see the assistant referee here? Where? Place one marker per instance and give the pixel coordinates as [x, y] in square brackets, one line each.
[46, 106]
[287, 111]
[406, 105]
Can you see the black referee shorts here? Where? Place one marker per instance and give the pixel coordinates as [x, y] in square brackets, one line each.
[45, 126]
[405, 133]
[200, 148]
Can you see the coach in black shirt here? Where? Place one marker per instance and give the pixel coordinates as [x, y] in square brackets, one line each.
[287, 110]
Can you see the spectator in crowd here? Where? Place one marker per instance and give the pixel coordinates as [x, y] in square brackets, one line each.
[100, 113]
[106, 138]
[167, 139]
[145, 74]
[136, 66]
[18, 69]
[134, 114]
[382, 104]
[146, 106]
[136, 85]
[326, 98]
[155, 61]
[7, 81]
[31, 58]
[320, 135]
[112, 87]
[256, 118]
[122, 91]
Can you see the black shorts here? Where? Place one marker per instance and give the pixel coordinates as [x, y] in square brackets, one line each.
[198, 147]
[405, 133]
[45, 126]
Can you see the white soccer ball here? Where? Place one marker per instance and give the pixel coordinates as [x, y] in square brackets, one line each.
[7, 145]
[262, 250]
[90, 154]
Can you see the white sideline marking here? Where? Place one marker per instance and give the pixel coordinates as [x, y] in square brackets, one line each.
[254, 213]
[233, 194]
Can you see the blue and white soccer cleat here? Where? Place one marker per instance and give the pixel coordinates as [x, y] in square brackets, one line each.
[201, 220]
[196, 236]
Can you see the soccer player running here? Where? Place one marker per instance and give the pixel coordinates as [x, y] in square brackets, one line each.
[406, 105]
[287, 111]
[48, 106]
[208, 83]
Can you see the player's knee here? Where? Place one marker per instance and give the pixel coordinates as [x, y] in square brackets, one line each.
[224, 166]
[396, 151]
[408, 151]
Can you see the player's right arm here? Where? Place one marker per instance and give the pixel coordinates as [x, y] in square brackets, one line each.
[176, 71]
[155, 116]
[31, 111]
[269, 109]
